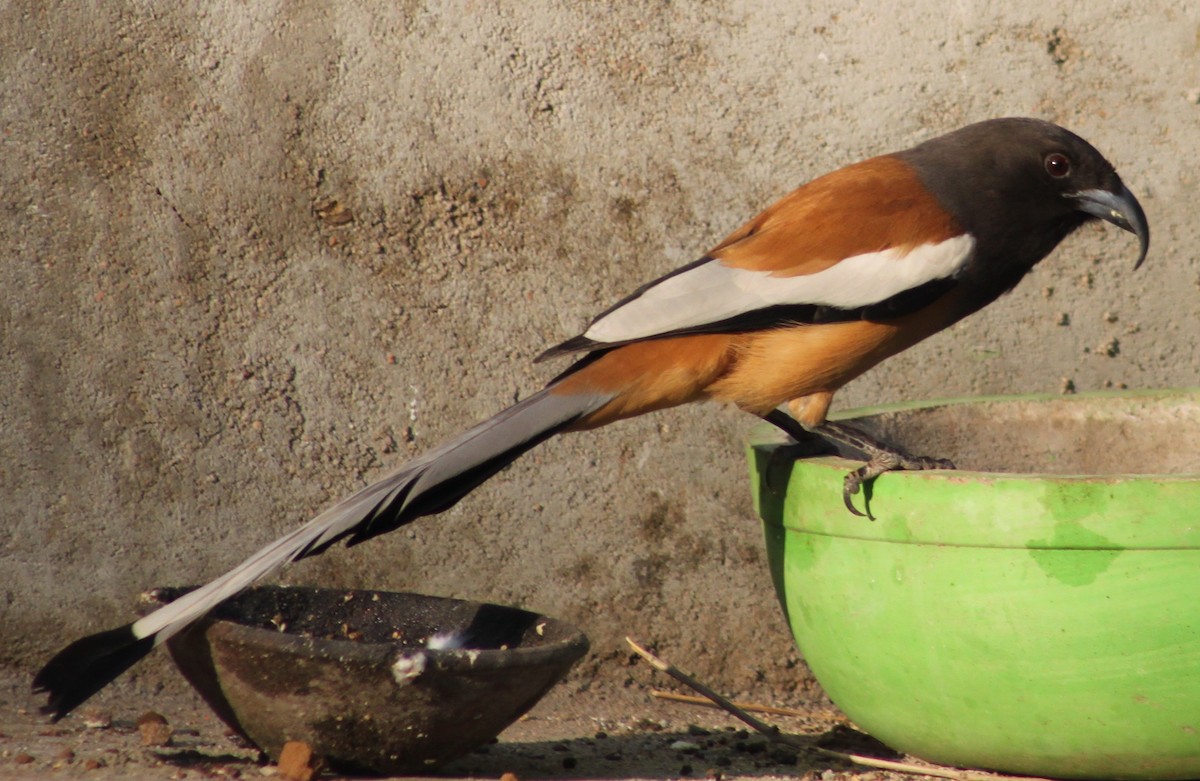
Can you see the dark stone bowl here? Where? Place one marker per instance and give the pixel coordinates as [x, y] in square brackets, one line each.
[373, 681]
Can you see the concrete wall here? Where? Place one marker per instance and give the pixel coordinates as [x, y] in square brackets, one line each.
[201, 349]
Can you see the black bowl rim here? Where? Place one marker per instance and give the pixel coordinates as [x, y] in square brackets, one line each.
[452, 660]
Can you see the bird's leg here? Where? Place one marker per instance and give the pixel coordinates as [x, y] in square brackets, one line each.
[805, 444]
[808, 443]
[880, 458]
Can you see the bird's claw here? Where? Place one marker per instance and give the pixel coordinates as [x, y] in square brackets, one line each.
[880, 462]
[850, 486]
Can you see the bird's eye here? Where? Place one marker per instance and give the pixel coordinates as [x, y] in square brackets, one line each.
[1057, 165]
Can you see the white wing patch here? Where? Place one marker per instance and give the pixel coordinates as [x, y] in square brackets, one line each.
[712, 291]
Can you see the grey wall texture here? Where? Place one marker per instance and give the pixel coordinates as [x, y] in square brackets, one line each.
[255, 254]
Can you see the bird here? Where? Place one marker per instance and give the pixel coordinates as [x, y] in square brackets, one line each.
[847, 270]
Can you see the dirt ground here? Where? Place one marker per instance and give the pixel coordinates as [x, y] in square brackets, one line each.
[579, 731]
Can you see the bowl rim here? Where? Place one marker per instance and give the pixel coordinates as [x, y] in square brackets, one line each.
[766, 437]
[574, 644]
[1113, 513]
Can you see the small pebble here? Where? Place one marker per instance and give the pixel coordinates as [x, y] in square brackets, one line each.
[154, 729]
[23, 759]
[296, 761]
[95, 718]
[92, 764]
[685, 745]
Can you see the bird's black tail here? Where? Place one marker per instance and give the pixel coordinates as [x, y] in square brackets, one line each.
[429, 484]
[88, 665]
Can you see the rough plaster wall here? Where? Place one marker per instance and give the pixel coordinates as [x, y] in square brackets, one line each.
[200, 352]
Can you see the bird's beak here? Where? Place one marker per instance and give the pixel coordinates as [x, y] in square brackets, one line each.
[1122, 210]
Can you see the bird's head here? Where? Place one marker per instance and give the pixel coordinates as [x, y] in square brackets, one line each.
[1026, 182]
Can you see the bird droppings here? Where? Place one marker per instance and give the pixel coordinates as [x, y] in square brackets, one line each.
[445, 641]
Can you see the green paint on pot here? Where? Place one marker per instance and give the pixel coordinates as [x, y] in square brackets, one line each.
[1040, 620]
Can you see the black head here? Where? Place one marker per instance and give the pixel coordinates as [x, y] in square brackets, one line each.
[1021, 186]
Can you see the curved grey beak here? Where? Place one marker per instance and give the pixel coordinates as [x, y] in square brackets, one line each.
[1122, 210]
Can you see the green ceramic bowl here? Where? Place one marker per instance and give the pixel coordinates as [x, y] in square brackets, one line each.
[1036, 612]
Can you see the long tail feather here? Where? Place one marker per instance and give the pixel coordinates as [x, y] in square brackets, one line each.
[88, 665]
[429, 484]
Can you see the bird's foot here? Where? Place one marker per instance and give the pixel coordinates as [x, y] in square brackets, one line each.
[880, 458]
[879, 462]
